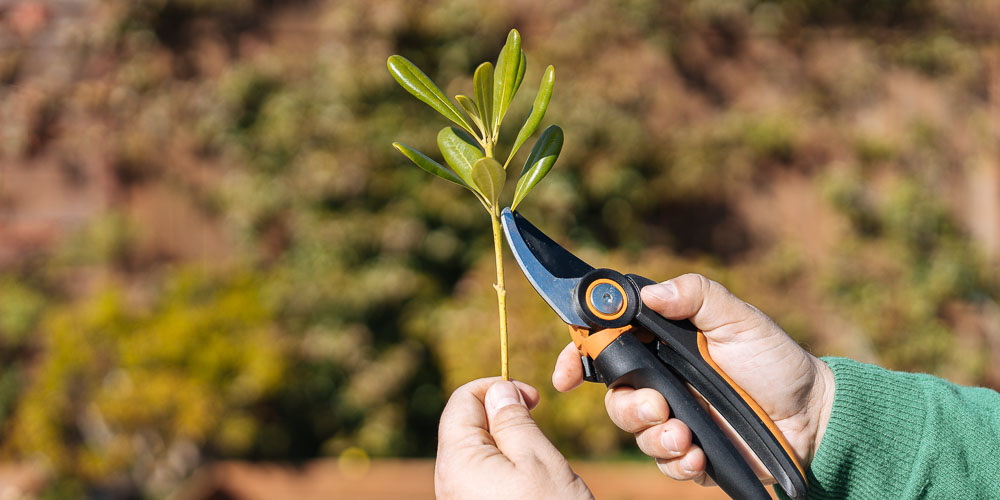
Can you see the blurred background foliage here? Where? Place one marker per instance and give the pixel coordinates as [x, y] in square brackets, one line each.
[208, 248]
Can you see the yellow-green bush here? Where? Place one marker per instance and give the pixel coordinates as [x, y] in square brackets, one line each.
[119, 389]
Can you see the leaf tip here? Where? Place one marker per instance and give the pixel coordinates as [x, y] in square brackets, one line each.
[394, 60]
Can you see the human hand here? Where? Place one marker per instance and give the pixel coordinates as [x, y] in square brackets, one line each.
[792, 386]
[489, 447]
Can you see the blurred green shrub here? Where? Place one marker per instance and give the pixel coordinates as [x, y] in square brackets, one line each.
[906, 262]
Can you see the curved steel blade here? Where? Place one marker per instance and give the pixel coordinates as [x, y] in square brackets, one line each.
[551, 269]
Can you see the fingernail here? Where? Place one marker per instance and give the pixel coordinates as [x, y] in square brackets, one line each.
[669, 441]
[649, 414]
[502, 394]
[663, 291]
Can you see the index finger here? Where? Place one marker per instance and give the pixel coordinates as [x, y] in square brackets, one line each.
[568, 372]
[709, 305]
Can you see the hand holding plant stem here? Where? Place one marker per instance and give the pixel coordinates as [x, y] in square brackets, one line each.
[471, 152]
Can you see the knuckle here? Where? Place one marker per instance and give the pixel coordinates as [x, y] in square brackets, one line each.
[509, 418]
[690, 280]
[697, 280]
[514, 429]
[711, 288]
[696, 287]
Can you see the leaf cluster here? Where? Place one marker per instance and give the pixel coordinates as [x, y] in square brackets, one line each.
[470, 149]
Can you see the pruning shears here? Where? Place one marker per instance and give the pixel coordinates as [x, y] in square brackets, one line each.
[623, 343]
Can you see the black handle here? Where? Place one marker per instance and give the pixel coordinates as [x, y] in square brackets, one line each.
[678, 347]
[626, 361]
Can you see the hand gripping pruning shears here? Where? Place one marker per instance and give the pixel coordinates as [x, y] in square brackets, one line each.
[621, 342]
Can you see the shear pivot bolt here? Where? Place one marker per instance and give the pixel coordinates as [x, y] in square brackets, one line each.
[606, 299]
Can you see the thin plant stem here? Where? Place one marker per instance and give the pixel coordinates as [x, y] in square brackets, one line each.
[501, 291]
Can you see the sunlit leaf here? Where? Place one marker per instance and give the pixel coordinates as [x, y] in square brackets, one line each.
[522, 65]
[428, 164]
[422, 87]
[460, 152]
[483, 81]
[537, 110]
[505, 78]
[543, 156]
[470, 109]
[489, 176]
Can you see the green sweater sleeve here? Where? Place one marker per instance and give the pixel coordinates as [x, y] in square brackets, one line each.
[904, 435]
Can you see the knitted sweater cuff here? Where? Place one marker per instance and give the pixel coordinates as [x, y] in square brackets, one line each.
[874, 432]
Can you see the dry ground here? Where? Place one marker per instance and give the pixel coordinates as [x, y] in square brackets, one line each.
[411, 479]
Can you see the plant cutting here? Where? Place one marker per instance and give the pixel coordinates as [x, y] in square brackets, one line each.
[470, 149]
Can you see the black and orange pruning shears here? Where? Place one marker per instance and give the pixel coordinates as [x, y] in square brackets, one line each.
[623, 343]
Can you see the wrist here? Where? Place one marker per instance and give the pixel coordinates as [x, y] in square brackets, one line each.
[821, 404]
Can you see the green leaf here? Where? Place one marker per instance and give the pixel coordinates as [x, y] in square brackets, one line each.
[490, 177]
[543, 156]
[483, 81]
[422, 87]
[537, 110]
[460, 152]
[520, 73]
[425, 162]
[508, 64]
[470, 108]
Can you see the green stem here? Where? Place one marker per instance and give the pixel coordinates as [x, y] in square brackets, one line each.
[501, 291]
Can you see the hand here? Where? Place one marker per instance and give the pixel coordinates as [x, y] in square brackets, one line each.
[489, 447]
[792, 386]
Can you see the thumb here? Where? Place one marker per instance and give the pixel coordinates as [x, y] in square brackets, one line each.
[514, 431]
[709, 305]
